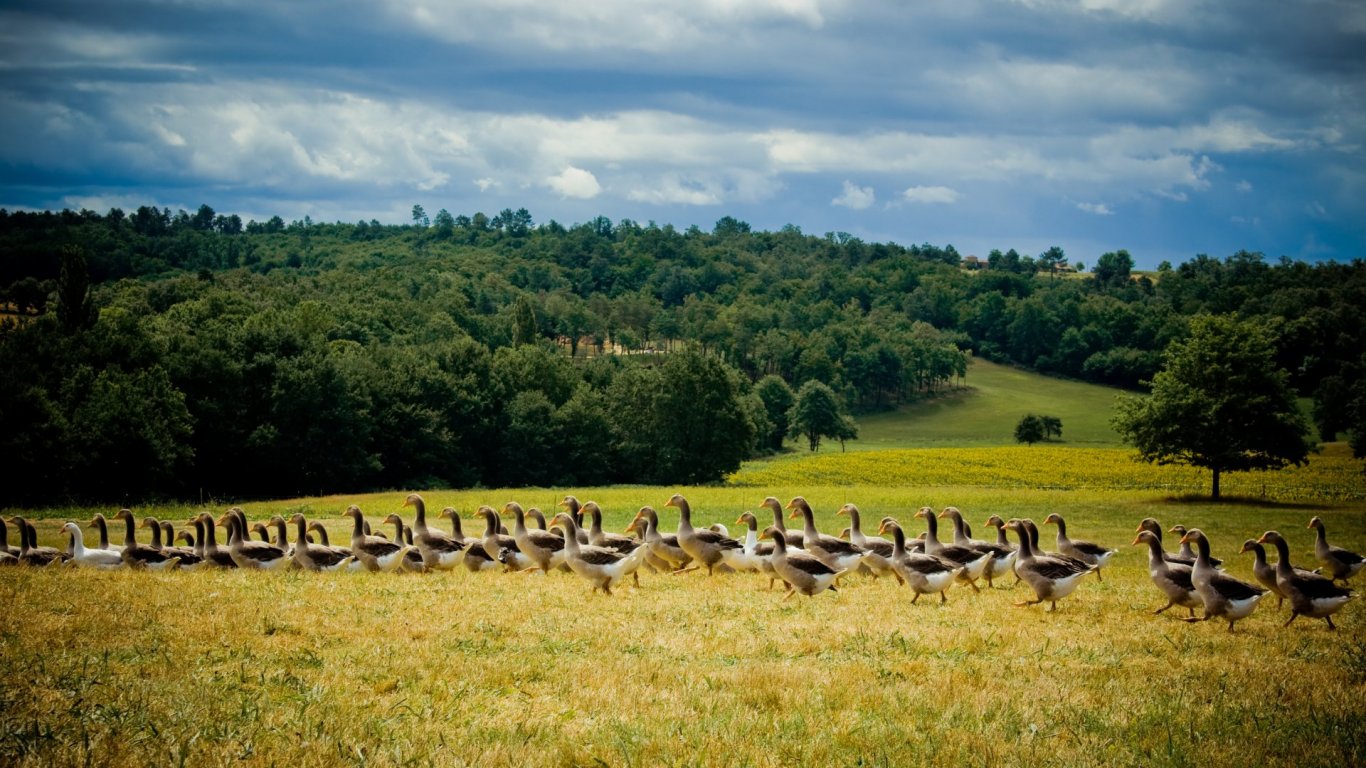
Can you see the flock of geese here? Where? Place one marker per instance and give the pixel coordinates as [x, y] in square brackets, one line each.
[805, 560]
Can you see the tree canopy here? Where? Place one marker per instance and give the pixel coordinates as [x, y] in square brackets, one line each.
[1219, 402]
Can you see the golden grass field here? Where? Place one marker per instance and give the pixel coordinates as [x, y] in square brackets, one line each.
[232, 668]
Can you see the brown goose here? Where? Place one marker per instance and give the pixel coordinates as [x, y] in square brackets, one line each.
[999, 566]
[1151, 525]
[801, 571]
[476, 559]
[604, 568]
[262, 531]
[1223, 595]
[209, 550]
[973, 562]
[1085, 551]
[1310, 594]
[1002, 555]
[1263, 571]
[1172, 579]
[189, 559]
[1185, 552]
[501, 546]
[877, 552]
[794, 538]
[545, 550]
[137, 555]
[29, 551]
[926, 574]
[1339, 564]
[575, 510]
[840, 555]
[439, 551]
[706, 548]
[665, 548]
[317, 557]
[412, 559]
[248, 554]
[375, 554]
[600, 538]
[98, 522]
[1051, 578]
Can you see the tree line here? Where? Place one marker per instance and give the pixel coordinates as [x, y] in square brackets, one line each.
[268, 358]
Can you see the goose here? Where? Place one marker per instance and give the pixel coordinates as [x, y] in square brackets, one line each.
[1000, 566]
[375, 554]
[281, 536]
[1185, 552]
[545, 550]
[1002, 555]
[412, 559]
[1051, 578]
[1038, 550]
[1264, 572]
[1339, 564]
[189, 560]
[840, 555]
[794, 539]
[89, 558]
[317, 557]
[575, 510]
[500, 546]
[1085, 551]
[877, 553]
[973, 562]
[925, 574]
[476, 559]
[1151, 525]
[260, 530]
[137, 555]
[98, 522]
[212, 554]
[29, 551]
[604, 568]
[5, 548]
[1310, 594]
[316, 527]
[916, 545]
[749, 557]
[1172, 579]
[248, 554]
[637, 528]
[706, 548]
[1222, 594]
[600, 538]
[439, 551]
[666, 548]
[802, 571]
[188, 538]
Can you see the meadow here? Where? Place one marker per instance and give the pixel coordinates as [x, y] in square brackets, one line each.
[232, 668]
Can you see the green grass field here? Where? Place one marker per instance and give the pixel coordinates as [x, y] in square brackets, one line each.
[219, 668]
[985, 412]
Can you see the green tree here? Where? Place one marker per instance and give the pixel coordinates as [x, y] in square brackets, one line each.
[1219, 402]
[817, 414]
[75, 309]
[420, 217]
[1052, 427]
[1030, 430]
[1114, 268]
[778, 400]
[525, 329]
[445, 224]
[1052, 259]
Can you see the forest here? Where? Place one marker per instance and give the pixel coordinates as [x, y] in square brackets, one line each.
[193, 356]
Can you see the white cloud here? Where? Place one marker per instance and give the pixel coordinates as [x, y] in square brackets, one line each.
[485, 184]
[1099, 209]
[576, 183]
[855, 197]
[1243, 186]
[942, 195]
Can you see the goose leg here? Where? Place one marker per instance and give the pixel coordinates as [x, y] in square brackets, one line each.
[917, 597]
[790, 593]
[1293, 615]
[607, 587]
[943, 597]
[1098, 578]
[1331, 626]
[1163, 608]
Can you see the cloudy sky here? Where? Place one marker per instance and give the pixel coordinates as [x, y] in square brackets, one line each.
[1167, 127]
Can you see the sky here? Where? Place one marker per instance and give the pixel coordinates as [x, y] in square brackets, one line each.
[1169, 128]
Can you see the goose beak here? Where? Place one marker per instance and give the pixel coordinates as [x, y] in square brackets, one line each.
[1185, 539]
[1136, 540]
[739, 520]
[1260, 539]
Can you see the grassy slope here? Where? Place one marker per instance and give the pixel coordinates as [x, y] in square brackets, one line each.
[986, 410]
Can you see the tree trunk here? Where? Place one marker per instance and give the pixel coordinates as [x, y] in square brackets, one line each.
[1215, 492]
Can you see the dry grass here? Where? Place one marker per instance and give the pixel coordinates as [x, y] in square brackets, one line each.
[498, 669]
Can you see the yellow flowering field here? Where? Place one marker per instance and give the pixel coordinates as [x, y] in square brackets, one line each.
[1330, 475]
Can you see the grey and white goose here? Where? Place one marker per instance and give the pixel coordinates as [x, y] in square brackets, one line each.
[795, 538]
[501, 546]
[1000, 566]
[317, 557]
[248, 554]
[439, 551]
[189, 559]
[1051, 578]
[29, 551]
[1085, 551]
[666, 548]
[1339, 564]
[842, 556]
[600, 538]
[476, 559]
[412, 559]
[545, 550]
[1310, 594]
[801, 571]
[137, 555]
[1185, 552]
[377, 555]
[602, 567]
[208, 549]
[1173, 580]
[877, 552]
[1002, 554]
[5, 547]
[973, 562]
[925, 574]
[99, 523]
[1151, 525]
[575, 510]
[707, 548]
[1223, 595]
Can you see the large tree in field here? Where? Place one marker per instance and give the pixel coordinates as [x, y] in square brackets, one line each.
[1219, 402]
[817, 413]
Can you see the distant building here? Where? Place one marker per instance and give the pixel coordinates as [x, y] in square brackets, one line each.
[972, 262]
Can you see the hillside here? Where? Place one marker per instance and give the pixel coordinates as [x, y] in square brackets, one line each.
[985, 411]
